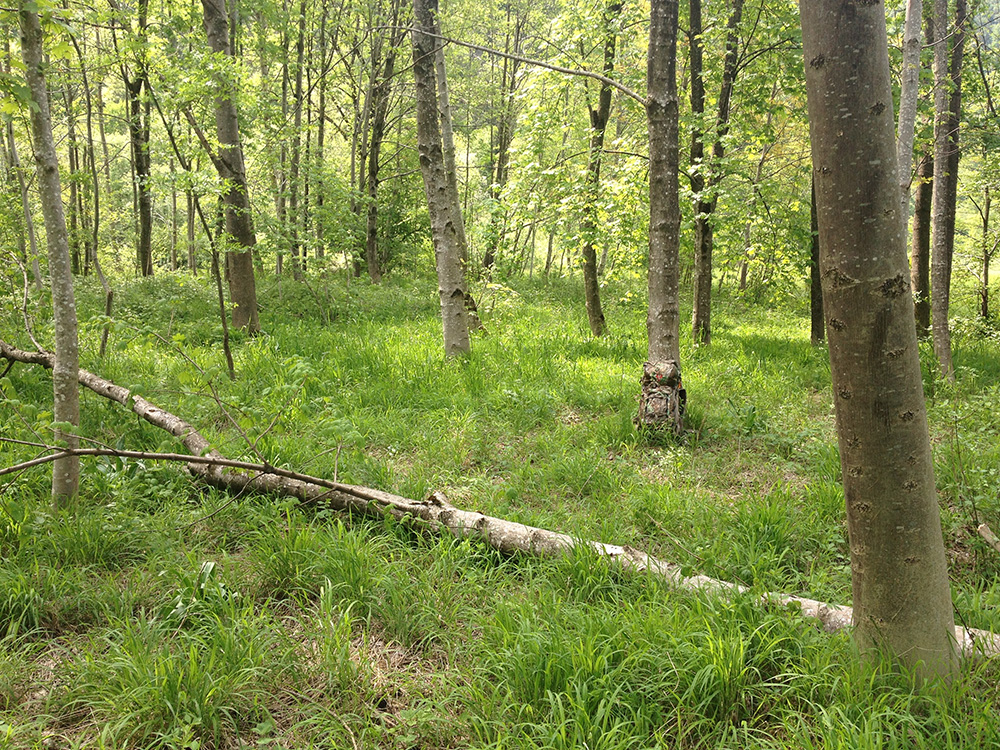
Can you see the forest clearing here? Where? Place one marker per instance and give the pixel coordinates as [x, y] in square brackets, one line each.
[396, 438]
[166, 612]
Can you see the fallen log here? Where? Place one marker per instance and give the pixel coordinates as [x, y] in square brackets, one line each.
[210, 466]
[987, 534]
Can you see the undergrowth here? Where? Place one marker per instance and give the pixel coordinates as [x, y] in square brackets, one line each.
[163, 614]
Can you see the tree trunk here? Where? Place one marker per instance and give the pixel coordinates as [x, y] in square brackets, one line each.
[707, 177]
[294, 164]
[589, 222]
[947, 111]
[442, 194]
[29, 223]
[380, 99]
[902, 603]
[137, 118]
[66, 396]
[504, 135]
[988, 253]
[817, 324]
[321, 136]
[663, 318]
[73, 149]
[236, 197]
[192, 259]
[920, 279]
[908, 96]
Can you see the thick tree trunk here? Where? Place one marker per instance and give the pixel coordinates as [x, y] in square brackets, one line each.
[947, 111]
[817, 325]
[65, 365]
[920, 275]
[663, 320]
[442, 194]
[663, 317]
[229, 163]
[902, 603]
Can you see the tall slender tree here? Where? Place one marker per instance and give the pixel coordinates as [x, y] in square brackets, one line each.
[442, 194]
[134, 67]
[920, 246]
[902, 603]
[706, 174]
[599, 115]
[66, 395]
[240, 237]
[947, 118]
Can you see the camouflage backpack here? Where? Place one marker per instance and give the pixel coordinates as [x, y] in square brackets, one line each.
[663, 396]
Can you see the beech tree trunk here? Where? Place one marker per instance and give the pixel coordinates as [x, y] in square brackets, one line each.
[661, 401]
[947, 112]
[902, 603]
[920, 253]
[443, 204]
[663, 319]
[65, 368]
[908, 95]
[229, 164]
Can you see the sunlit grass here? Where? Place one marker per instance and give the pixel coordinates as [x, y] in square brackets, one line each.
[164, 614]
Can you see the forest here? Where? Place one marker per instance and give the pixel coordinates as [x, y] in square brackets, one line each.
[588, 374]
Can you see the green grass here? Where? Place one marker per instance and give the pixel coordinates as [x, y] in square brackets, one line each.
[164, 614]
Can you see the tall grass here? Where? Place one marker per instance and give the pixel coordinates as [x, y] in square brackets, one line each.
[164, 614]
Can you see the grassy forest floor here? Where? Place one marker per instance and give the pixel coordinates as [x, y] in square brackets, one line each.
[165, 614]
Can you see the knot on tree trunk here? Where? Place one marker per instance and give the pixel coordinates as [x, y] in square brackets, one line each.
[661, 403]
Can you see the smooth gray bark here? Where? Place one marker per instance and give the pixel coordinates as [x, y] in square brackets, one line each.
[443, 204]
[908, 95]
[663, 319]
[899, 574]
[65, 367]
